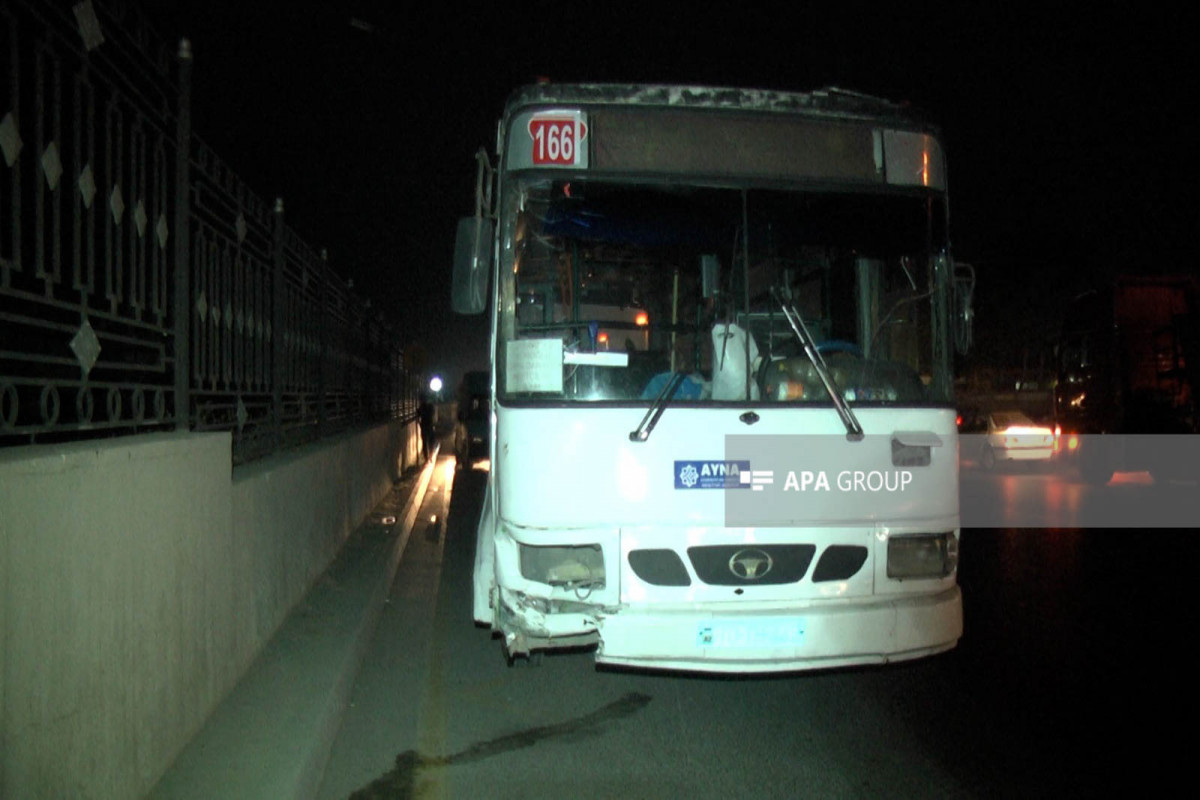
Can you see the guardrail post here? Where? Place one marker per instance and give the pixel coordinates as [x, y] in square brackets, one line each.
[183, 206]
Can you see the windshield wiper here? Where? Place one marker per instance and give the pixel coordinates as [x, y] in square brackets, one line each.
[642, 432]
[854, 431]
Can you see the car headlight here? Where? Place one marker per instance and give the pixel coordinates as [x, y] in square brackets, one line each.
[922, 555]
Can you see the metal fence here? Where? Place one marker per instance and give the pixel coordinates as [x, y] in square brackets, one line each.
[143, 285]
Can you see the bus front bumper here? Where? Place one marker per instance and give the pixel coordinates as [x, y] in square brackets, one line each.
[816, 637]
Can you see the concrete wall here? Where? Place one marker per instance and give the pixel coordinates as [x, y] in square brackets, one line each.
[140, 577]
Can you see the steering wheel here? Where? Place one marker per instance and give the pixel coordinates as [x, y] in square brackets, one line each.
[832, 346]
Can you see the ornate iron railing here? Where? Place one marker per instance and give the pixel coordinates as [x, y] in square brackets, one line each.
[143, 285]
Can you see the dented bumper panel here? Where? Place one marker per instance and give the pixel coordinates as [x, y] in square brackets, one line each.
[531, 623]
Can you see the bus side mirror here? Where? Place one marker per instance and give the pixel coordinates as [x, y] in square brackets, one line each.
[964, 309]
[472, 263]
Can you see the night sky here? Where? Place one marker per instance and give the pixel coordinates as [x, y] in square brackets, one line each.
[1069, 132]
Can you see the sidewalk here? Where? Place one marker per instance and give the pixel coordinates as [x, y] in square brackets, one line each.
[271, 736]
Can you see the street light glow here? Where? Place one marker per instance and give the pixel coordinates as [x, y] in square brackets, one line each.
[435, 384]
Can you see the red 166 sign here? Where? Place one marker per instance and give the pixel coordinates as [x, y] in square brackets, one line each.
[557, 138]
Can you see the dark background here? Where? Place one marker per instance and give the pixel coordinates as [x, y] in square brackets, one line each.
[1068, 130]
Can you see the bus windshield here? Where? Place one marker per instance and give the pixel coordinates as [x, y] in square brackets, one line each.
[614, 289]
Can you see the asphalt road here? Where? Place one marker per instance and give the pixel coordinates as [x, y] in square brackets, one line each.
[1071, 679]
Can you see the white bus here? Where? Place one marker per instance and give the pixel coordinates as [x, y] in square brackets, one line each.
[688, 286]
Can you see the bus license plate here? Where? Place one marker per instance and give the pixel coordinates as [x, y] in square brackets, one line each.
[751, 633]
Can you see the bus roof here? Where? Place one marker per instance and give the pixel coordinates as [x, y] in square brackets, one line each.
[829, 102]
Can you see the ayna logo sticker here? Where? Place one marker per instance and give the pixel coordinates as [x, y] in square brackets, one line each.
[710, 474]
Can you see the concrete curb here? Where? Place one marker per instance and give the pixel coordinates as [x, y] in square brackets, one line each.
[314, 767]
[273, 735]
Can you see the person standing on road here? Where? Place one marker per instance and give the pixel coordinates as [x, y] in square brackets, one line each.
[425, 419]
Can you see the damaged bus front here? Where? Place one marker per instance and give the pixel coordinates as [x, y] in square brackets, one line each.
[694, 290]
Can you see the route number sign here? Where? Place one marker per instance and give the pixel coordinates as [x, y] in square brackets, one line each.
[558, 138]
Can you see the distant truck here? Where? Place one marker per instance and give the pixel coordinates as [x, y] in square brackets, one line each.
[1125, 361]
[472, 432]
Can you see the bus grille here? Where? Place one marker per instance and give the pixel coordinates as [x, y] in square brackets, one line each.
[753, 565]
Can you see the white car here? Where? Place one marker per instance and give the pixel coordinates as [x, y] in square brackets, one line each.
[1012, 437]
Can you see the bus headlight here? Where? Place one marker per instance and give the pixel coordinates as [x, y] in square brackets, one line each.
[569, 565]
[922, 555]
